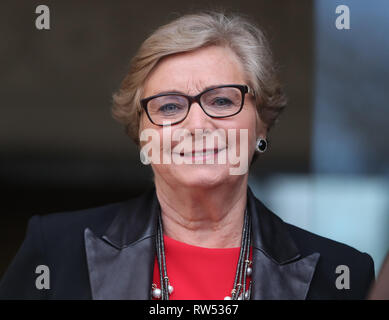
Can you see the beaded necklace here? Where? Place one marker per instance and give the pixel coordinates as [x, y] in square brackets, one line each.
[243, 269]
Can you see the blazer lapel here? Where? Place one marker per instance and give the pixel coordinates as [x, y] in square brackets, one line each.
[290, 281]
[121, 262]
[279, 271]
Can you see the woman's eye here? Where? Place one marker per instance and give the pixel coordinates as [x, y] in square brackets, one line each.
[169, 108]
[220, 102]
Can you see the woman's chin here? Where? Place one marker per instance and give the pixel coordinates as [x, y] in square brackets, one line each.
[205, 176]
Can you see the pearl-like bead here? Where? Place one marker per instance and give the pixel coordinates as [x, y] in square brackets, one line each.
[157, 293]
[249, 271]
[170, 288]
[227, 298]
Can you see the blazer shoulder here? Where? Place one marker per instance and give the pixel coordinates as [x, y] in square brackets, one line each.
[69, 226]
[332, 253]
[309, 242]
[99, 212]
[97, 218]
[334, 257]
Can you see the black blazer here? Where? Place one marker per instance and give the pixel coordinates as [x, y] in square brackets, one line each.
[108, 253]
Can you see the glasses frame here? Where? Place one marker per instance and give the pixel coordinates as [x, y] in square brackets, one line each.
[191, 99]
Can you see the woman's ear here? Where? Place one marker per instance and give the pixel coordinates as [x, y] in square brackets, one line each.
[261, 127]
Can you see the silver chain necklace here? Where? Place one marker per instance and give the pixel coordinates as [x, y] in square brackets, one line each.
[243, 269]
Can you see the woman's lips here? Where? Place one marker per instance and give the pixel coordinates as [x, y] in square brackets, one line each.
[202, 154]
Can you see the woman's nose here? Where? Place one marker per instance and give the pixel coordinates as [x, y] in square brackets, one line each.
[197, 119]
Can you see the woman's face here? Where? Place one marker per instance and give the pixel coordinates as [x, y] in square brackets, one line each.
[190, 73]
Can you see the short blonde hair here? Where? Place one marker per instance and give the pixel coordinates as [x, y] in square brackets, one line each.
[195, 31]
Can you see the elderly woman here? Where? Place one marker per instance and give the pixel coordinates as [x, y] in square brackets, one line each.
[199, 100]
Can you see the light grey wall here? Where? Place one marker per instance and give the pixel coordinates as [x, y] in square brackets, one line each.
[351, 108]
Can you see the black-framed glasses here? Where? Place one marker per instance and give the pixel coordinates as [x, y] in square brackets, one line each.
[217, 102]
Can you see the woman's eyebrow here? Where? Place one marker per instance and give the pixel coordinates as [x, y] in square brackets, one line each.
[181, 92]
[169, 91]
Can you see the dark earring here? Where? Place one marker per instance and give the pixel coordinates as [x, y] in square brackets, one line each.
[261, 145]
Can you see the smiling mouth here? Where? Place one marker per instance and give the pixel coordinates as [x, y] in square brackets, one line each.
[202, 153]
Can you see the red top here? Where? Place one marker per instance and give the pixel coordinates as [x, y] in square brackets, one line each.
[198, 273]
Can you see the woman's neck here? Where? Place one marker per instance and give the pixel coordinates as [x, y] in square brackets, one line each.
[211, 217]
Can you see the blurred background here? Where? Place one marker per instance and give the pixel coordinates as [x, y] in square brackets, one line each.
[326, 169]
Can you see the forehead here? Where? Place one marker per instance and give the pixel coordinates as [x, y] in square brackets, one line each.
[191, 72]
